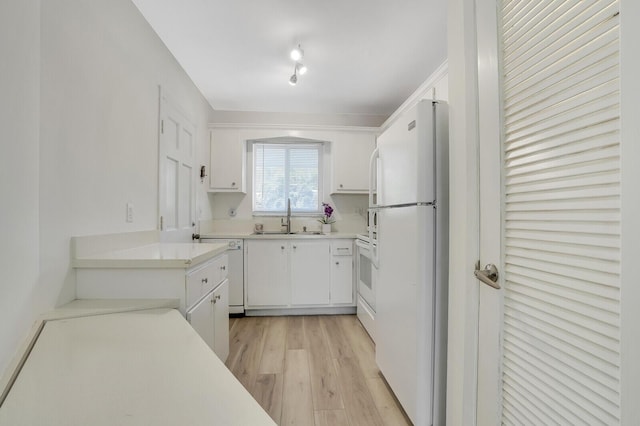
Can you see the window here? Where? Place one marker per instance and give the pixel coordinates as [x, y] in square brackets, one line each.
[287, 170]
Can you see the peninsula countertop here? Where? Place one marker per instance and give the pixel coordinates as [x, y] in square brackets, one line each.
[126, 368]
[156, 255]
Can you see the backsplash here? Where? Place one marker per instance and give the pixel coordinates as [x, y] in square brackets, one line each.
[355, 224]
[350, 212]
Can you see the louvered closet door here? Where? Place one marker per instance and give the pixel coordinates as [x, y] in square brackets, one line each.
[561, 157]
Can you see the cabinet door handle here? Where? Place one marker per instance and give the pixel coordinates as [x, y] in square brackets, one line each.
[295, 247]
[205, 280]
[282, 247]
[337, 263]
[224, 268]
[218, 297]
[233, 184]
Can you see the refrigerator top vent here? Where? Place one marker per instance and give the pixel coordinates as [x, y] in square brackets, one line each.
[411, 125]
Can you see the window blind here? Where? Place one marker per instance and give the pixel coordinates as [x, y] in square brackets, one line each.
[561, 331]
[286, 171]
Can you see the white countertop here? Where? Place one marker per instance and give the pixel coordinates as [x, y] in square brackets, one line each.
[278, 236]
[134, 368]
[157, 255]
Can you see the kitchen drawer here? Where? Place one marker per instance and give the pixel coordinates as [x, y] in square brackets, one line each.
[342, 248]
[221, 266]
[201, 281]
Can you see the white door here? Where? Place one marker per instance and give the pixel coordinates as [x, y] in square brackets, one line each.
[176, 169]
[549, 346]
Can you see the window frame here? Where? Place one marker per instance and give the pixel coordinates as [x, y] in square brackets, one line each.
[289, 144]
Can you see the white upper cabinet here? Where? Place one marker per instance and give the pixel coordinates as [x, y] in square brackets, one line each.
[350, 153]
[228, 161]
[350, 150]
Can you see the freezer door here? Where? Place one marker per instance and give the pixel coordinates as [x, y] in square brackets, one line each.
[406, 158]
[405, 306]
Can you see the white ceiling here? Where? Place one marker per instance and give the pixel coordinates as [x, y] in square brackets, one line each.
[364, 56]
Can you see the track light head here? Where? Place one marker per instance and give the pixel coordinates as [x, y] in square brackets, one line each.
[294, 79]
[297, 53]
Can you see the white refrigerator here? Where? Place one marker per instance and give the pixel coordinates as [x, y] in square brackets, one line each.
[411, 200]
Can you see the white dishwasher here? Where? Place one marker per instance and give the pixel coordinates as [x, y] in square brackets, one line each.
[235, 252]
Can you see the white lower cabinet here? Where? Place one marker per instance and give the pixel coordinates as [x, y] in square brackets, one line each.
[310, 276]
[203, 291]
[201, 319]
[267, 273]
[221, 320]
[210, 319]
[342, 265]
[298, 273]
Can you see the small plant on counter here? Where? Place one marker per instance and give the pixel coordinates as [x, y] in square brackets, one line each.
[327, 217]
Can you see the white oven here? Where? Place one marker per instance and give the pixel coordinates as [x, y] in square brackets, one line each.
[366, 275]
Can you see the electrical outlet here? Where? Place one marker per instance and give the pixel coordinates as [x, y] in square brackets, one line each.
[130, 212]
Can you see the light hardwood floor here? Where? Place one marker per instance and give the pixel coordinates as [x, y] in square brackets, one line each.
[312, 370]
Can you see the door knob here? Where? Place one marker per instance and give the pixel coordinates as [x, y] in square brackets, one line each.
[489, 275]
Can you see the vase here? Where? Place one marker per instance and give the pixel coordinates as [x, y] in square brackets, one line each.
[326, 228]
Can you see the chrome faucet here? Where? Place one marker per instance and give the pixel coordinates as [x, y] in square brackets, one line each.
[288, 223]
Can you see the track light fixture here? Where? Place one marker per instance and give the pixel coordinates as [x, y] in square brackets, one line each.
[299, 68]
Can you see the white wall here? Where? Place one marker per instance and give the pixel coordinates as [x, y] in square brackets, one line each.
[19, 115]
[436, 86]
[255, 117]
[101, 67]
[350, 210]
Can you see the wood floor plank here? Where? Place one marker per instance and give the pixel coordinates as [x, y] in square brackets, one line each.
[358, 402]
[267, 391]
[248, 344]
[331, 418]
[338, 343]
[324, 383]
[231, 322]
[295, 332]
[291, 397]
[361, 345]
[237, 340]
[297, 408]
[272, 360]
[388, 407]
